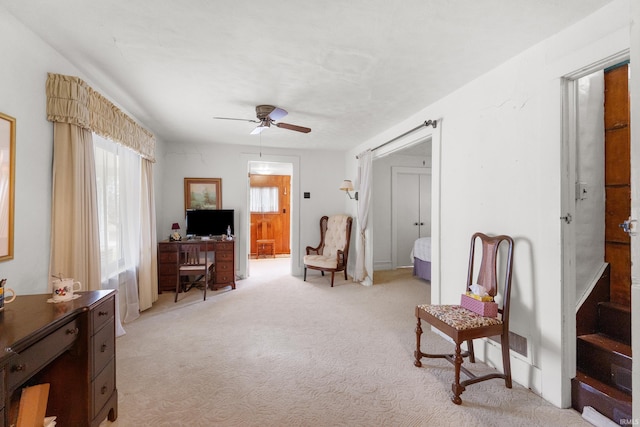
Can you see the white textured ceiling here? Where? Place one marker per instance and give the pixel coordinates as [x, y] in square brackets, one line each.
[347, 69]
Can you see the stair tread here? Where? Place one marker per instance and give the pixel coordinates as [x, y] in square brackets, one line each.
[606, 342]
[619, 307]
[603, 388]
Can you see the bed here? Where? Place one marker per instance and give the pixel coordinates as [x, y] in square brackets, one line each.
[421, 258]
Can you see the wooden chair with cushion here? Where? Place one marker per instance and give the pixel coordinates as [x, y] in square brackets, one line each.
[194, 268]
[333, 251]
[463, 325]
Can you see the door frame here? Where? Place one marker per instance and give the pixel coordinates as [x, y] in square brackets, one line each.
[423, 135]
[568, 240]
[294, 161]
[395, 197]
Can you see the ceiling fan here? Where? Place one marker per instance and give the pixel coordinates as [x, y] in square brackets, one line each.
[269, 115]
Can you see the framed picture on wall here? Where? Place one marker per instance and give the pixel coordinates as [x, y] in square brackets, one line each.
[7, 174]
[202, 193]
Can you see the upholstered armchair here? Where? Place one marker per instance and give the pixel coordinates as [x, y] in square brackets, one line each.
[332, 253]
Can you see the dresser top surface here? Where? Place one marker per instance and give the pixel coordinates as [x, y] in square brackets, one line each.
[28, 317]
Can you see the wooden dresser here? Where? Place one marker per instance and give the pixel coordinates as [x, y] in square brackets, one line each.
[71, 346]
[224, 263]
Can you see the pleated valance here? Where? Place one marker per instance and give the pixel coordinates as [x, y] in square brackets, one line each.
[71, 100]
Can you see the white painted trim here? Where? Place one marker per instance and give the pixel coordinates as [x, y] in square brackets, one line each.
[592, 285]
[296, 258]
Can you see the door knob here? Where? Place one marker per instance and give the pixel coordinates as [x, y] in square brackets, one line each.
[629, 226]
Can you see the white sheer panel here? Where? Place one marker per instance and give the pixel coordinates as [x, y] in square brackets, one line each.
[264, 199]
[364, 184]
[118, 183]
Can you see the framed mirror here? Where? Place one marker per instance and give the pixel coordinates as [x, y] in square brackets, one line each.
[7, 183]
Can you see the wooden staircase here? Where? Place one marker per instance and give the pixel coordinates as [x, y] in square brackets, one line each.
[603, 375]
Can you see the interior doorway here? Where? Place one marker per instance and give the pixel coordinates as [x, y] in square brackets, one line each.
[269, 212]
[596, 201]
[393, 202]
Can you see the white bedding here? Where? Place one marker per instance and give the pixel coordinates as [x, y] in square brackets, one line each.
[421, 249]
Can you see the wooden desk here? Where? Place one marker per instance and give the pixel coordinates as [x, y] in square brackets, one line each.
[224, 263]
[71, 346]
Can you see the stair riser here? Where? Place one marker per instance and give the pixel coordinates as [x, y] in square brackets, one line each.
[583, 395]
[615, 322]
[610, 368]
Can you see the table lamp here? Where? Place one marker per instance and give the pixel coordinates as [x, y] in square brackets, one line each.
[175, 234]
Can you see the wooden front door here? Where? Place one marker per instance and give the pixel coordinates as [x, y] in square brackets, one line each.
[617, 181]
[276, 223]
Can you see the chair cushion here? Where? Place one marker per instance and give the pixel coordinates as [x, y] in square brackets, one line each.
[459, 317]
[321, 261]
[335, 237]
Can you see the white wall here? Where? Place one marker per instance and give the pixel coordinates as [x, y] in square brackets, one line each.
[590, 172]
[499, 162]
[26, 60]
[317, 172]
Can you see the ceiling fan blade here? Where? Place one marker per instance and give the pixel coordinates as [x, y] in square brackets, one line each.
[277, 114]
[293, 127]
[242, 120]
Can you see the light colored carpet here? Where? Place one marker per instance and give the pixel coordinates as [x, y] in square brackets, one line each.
[278, 351]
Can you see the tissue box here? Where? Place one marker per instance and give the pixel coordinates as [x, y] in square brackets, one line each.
[483, 308]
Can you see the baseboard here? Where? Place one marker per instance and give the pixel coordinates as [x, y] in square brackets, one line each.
[382, 265]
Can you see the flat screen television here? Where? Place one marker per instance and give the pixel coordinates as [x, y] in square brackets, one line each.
[209, 222]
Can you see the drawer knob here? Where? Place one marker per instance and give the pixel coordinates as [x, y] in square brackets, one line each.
[73, 331]
[104, 389]
[103, 348]
[103, 313]
[19, 368]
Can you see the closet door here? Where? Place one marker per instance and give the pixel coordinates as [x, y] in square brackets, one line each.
[411, 211]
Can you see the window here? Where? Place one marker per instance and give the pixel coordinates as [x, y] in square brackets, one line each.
[264, 199]
[118, 188]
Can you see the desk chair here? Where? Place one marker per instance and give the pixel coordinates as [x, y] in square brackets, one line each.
[194, 265]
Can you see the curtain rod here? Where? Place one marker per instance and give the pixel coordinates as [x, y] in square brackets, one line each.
[426, 123]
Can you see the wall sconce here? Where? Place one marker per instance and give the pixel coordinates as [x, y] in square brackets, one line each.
[347, 186]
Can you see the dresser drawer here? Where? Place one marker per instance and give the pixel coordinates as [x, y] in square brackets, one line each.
[224, 256]
[168, 257]
[168, 269]
[224, 267]
[167, 247]
[225, 277]
[224, 246]
[102, 313]
[32, 359]
[103, 344]
[103, 387]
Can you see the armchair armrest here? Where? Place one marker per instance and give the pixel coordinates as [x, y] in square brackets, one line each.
[313, 251]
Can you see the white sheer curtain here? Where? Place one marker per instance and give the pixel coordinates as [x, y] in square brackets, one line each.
[264, 199]
[364, 197]
[118, 181]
